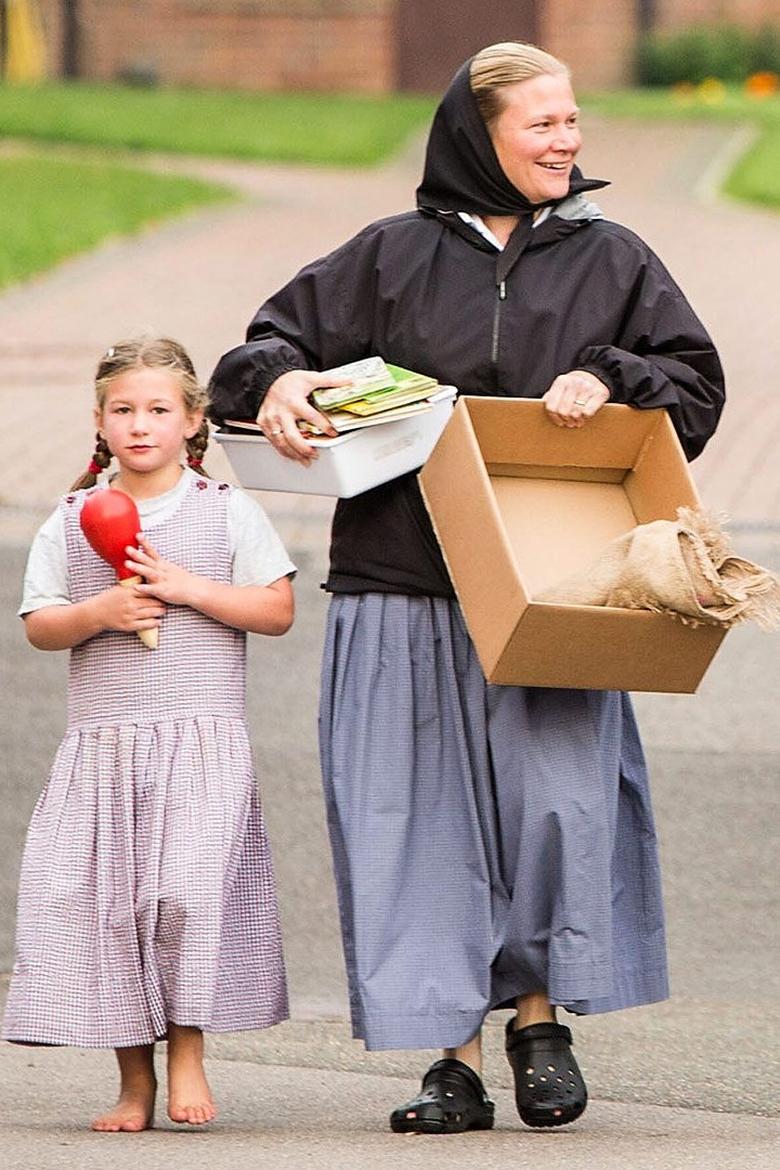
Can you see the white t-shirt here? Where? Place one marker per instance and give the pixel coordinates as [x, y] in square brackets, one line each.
[257, 552]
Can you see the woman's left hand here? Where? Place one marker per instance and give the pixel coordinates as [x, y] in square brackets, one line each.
[162, 579]
[575, 397]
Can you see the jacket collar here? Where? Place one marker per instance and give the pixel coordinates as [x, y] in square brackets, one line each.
[568, 217]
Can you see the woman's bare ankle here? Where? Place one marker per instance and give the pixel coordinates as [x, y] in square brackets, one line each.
[534, 1009]
[469, 1053]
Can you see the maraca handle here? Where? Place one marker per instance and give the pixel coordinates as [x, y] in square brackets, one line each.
[148, 637]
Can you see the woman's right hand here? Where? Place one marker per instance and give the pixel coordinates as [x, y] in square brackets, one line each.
[124, 608]
[286, 401]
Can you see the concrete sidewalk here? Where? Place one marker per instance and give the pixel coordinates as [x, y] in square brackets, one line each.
[304, 1094]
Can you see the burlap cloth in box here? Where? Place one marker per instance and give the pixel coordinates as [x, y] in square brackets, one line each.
[683, 567]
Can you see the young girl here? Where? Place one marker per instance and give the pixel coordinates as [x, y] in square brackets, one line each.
[147, 906]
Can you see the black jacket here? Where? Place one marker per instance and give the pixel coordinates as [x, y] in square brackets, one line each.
[427, 292]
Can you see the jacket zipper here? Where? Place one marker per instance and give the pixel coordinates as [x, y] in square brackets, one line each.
[501, 296]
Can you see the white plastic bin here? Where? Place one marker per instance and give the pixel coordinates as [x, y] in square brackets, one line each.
[347, 465]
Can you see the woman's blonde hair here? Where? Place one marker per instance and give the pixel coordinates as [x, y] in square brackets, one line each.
[155, 353]
[503, 64]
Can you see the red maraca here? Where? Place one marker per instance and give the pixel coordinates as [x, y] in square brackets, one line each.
[110, 522]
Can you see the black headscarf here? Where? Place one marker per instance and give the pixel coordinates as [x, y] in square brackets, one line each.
[462, 172]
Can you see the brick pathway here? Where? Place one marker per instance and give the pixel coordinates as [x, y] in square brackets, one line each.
[201, 278]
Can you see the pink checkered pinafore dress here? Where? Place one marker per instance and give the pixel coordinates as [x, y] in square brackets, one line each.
[147, 893]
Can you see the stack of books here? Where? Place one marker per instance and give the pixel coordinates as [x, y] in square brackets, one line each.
[378, 392]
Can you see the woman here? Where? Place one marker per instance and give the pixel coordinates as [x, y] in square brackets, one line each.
[493, 846]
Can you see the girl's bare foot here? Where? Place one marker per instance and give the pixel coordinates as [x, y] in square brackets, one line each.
[189, 1096]
[134, 1111]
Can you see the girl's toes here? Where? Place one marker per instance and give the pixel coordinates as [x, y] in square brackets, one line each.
[192, 1114]
[121, 1121]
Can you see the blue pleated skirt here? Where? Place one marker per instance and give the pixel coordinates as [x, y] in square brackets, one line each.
[487, 841]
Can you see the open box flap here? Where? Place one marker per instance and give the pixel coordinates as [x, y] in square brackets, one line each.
[613, 438]
[479, 559]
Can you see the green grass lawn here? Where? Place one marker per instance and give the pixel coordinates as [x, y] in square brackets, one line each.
[335, 129]
[330, 128]
[54, 208]
[756, 176]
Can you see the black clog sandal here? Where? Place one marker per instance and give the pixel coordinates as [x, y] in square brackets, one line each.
[452, 1100]
[549, 1089]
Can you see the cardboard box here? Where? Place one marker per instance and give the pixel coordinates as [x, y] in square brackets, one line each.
[347, 465]
[519, 505]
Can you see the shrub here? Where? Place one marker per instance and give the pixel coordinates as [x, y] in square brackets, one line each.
[727, 52]
[767, 50]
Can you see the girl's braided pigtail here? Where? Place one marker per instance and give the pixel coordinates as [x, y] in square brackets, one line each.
[196, 448]
[99, 462]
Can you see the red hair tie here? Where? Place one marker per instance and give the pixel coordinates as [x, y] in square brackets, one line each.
[193, 462]
[94, 468]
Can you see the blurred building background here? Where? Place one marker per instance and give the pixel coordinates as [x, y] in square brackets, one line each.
[349, 45]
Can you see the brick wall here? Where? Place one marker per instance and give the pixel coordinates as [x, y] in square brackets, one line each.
[239, 44]
[50, 14]
[343, 44]
[595, 40]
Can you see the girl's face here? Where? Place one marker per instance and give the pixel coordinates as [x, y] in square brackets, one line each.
[536, 137]
[144, 420]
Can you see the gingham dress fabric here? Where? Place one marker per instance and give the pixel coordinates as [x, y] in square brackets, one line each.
[488, 841]
[147, 892]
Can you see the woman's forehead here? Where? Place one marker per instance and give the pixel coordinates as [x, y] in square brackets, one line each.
[548, 93]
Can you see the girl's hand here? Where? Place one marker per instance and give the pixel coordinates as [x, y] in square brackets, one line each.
[260, 609]
[162, 579]
[575, 397]
[287, 400]
[125, 608]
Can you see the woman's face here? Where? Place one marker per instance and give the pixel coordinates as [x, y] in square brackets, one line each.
[536, 137]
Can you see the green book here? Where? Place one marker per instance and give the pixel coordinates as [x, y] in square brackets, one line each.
[374, 385]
